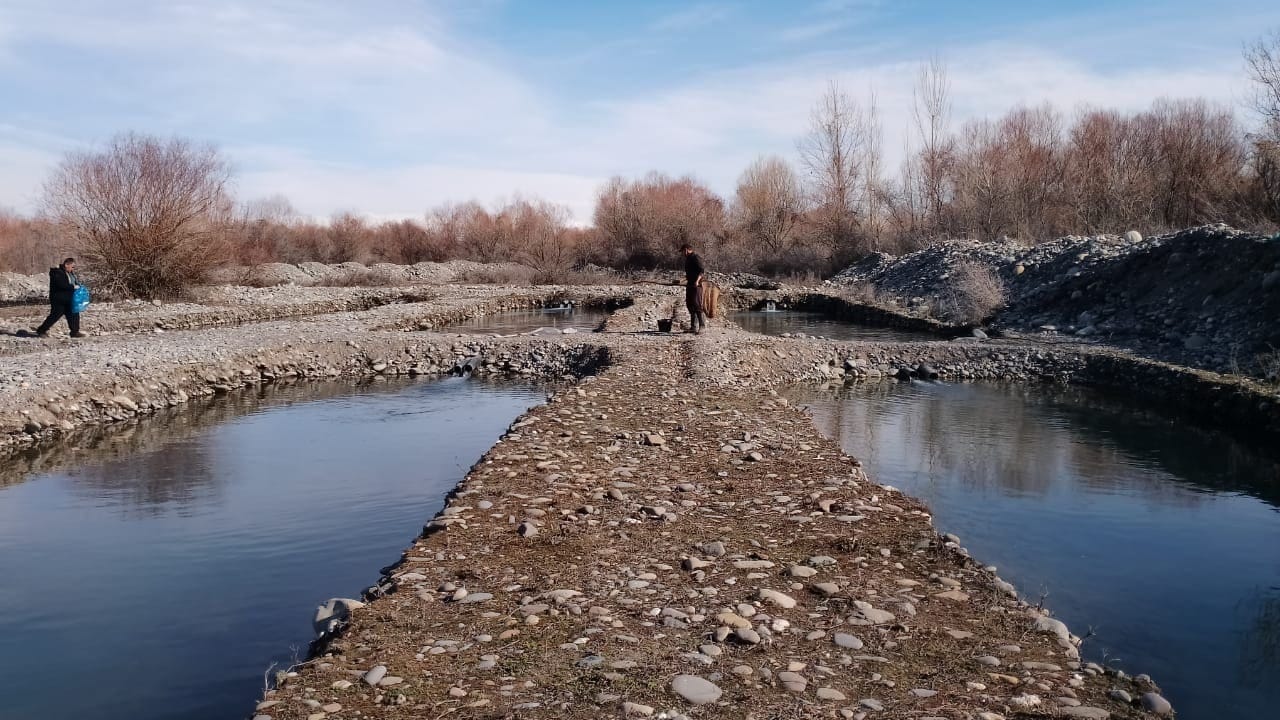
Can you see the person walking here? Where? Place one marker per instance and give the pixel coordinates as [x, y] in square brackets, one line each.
[694, 274]
[63, 284]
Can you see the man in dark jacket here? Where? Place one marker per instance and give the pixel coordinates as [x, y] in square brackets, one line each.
[62, 288]
[693, 277]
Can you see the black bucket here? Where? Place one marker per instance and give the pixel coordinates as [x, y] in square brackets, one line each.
[664, 326]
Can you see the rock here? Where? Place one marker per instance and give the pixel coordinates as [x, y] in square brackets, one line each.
[476, 597]
[830, 694]
[692, 563]
[747, 635]
[733, 620]
[655, 440]
[871, 704]
[847, 641]
[714, 549]
[1133, 236]
[783, 601]
[375, 675]
[801, 571]
[873, 615]
[923, 693]
[953, 595]
[1120, 696]
[1084, 711]
[695, 689]
[978, 333]
[527, 529]
[333, 613]
[631, 708]
[827, 589]
[1051, 626]
[795, 682]
[1154, 702]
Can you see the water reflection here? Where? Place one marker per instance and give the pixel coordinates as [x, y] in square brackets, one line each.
[816, 324]
[156, 570]
[1160, 536]
[514, 322]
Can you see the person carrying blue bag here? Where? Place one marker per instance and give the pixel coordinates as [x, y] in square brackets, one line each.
[67, 297]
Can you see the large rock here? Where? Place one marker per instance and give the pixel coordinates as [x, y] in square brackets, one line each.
[333, 613]
[695, 689]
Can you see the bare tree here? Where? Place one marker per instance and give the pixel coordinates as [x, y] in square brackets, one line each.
[931, 110]
[643, 223]
[151, 214]
[543, 239]
[874, 192]
[768, 205]
[833, 153]
[1263, 58]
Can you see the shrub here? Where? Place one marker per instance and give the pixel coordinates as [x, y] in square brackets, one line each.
[150, 214]
[975, 293]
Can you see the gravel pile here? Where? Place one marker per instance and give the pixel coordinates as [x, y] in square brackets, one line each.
[16, 288]
[1206, 296]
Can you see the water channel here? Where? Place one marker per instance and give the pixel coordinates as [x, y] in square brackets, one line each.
[1160, 538]
[815, 324]
[157, 571]
[519, 322]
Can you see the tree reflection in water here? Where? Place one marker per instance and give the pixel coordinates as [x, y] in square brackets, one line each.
[148, 466]
[1152, 531]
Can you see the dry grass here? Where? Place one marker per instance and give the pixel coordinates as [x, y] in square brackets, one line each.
[976, 292]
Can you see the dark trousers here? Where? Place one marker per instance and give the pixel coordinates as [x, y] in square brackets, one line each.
[696, 318]
[57, 310]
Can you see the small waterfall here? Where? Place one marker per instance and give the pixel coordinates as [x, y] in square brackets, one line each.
[769, 306]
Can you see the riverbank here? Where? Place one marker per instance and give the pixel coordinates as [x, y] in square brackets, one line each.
[618, 490]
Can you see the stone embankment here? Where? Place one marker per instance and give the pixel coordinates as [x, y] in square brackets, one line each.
[665, 536]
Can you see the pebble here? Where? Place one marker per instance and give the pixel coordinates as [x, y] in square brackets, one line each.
[1084, 711]
[847, 641]
[375, 675]
[795, 682]
[783, 601]
[1154, 702]
[695, 689]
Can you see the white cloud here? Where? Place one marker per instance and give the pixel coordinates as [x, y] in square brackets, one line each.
[695, 16]
[339, 107]
[812, 31]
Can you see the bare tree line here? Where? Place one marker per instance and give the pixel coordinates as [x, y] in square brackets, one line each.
[155, 215]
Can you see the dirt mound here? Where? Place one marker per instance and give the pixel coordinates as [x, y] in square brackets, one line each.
[16, 288]
[920, 278]
[1208, 296]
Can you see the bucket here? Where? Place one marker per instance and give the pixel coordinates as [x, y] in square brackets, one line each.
[664, 326]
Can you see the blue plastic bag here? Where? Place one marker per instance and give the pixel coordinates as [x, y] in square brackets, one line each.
[80, 300]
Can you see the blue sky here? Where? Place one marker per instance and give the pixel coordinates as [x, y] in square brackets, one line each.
[389, 107]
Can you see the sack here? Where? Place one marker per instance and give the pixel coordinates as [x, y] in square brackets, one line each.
[709, 298]
[80, 300]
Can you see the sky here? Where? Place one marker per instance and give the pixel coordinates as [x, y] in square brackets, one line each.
[391, 107]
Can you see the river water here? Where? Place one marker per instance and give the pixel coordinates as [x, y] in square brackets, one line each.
[1160, 538]
[159, 570]
[515, 322]
[816, 324]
